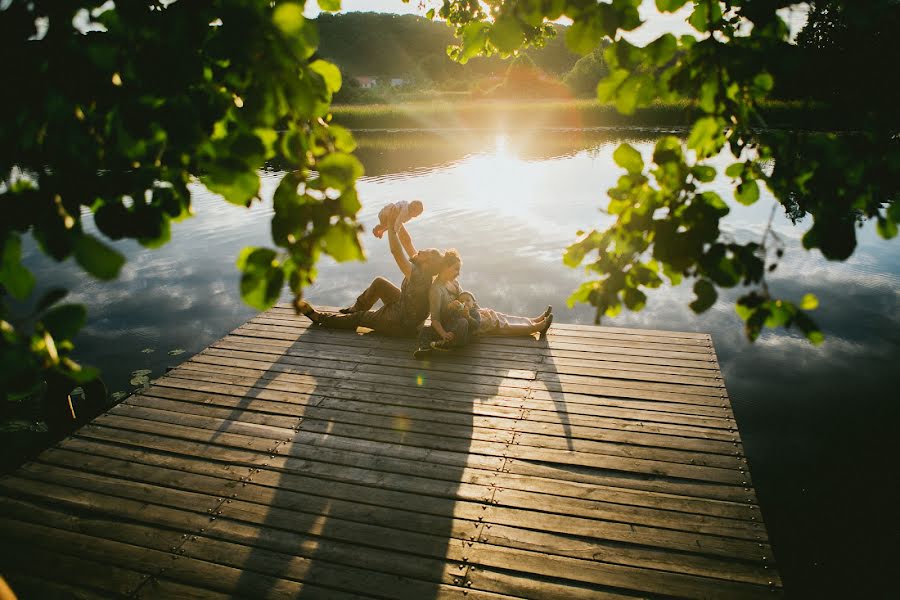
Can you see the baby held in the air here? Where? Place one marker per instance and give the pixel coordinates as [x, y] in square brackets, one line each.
[393, 215]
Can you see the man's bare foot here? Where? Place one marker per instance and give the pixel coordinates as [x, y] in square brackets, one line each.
[306, 309]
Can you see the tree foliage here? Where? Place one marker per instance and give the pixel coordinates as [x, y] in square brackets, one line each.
[110, 121]
[667, 224]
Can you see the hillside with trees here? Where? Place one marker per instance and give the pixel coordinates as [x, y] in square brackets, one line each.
[414, 49]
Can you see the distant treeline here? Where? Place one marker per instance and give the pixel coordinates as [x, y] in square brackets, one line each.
[414, 49]
[840, 61]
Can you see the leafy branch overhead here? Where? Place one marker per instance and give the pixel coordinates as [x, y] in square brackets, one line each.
[667, 224]
[116, 119]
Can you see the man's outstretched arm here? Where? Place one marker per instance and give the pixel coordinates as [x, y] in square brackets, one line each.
[406, 241]
[397, 250]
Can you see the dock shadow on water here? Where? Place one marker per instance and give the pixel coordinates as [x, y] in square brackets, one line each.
[378, 487]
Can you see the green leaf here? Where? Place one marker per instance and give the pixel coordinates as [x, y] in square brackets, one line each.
[330, 5]
[342, 138]
[339, 170]
[703, 173]
[329, 72]
[669, 5]
[779, 314]
[288, 17]
[262, 277]
[634, 299]
[583, 36]
[97, 258]
[698, 18]
[886, 227]
[583, 294]
[815, 336]
[342, 243]
[474, 36]
[661, 50]
[63, 322]
[15, 277]
[735, 169]
[50, 298]
[430, 14]
[747, 192]
[764, 82]
[233, 181]
[706, 296]
[809, 302]
[506, 34]
[629, 159]
[606, 89]
[704, 136]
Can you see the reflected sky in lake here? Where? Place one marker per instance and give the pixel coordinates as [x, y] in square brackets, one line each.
[819, 424]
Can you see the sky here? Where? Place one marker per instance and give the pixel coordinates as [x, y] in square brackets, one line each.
[655, 24]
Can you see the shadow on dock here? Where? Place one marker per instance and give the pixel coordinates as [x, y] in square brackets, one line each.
[363, 497]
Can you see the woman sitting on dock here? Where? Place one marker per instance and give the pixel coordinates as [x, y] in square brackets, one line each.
[456, 319]
[405, 308]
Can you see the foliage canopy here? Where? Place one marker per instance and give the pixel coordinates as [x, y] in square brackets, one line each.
[115, 117]
[667, 223]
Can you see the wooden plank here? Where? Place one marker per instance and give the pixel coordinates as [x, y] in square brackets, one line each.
[538, 399]
[657, 460]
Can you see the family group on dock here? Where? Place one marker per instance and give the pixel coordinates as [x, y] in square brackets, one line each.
[430, 287]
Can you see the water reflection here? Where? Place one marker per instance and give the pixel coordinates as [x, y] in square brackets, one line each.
[818, 423]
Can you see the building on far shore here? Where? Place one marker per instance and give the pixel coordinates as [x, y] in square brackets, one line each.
[367, 82]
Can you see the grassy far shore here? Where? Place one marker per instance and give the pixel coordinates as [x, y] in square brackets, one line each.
[565, 113]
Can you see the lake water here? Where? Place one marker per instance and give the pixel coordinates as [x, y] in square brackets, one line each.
[819, 424]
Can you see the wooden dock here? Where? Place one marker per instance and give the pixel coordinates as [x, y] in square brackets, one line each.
[289, 460]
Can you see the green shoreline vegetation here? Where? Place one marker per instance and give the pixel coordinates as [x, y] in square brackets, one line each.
[573, 113]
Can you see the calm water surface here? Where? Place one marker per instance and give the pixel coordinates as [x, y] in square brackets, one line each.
[819, 424]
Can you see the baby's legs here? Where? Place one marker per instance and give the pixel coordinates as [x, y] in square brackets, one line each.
[381, 227]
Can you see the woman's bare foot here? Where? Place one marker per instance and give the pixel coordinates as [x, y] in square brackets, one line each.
[546, 326]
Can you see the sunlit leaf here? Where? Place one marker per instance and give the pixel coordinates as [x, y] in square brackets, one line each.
[330, 5]
[339, 170]
[506, 34]
[288, 17]
[342, 243]
[628, 158]
[809, 302]
[329, 72]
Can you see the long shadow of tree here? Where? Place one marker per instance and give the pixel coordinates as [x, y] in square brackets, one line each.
[370, 492]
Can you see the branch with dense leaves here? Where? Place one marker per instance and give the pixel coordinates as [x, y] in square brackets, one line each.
[667, 225]
[119, 115]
